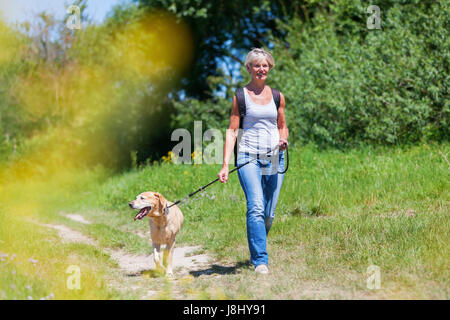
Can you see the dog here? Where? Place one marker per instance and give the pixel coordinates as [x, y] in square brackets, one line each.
[164, 224]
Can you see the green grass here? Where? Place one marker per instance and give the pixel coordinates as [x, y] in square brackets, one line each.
[26, 205]
[338, 213]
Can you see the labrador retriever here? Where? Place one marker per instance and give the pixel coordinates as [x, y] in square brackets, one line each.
[164, 224]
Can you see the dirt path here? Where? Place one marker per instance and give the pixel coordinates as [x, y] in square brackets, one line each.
[136, 277]
[132, 268]
[77, 218]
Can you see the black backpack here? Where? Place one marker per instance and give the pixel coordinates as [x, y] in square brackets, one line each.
[240, 96]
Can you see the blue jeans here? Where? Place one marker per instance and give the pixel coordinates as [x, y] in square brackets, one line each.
[261, 185]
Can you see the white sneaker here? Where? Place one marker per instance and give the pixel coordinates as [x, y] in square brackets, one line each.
[262, 268]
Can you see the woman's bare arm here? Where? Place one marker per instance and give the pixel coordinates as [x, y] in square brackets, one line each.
[230, 140]
[232, 132]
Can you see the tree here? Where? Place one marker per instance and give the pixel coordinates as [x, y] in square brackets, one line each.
[225, 30]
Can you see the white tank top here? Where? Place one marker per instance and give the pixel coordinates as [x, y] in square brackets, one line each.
[260, 130]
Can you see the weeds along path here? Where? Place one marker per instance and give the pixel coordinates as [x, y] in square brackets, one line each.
[135, 272]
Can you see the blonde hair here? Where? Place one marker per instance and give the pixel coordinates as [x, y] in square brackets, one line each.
[258, 54]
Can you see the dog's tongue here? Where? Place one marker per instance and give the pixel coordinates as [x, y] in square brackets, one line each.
[142, 213]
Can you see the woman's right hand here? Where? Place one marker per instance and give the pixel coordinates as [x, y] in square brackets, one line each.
[223, 174]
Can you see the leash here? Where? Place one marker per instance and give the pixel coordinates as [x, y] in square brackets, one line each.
[166, 209]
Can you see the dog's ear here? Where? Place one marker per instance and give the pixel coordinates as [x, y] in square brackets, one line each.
[162, 201]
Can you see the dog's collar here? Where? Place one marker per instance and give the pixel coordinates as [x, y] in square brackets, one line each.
[166, 210]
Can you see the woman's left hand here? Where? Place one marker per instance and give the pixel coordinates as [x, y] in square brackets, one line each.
[282, 144]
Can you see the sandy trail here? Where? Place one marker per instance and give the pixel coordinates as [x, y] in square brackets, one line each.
[184, 259]
[133, 267]
[77, 218]
[183, 262]
[68, 235]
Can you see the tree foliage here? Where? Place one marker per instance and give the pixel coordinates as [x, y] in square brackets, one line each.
[119, 88]
[225, 30]
[97, 95]
[345, 84]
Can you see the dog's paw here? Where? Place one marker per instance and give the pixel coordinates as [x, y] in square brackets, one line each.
[169, 274]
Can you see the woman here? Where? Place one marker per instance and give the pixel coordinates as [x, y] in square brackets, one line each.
[264, 128]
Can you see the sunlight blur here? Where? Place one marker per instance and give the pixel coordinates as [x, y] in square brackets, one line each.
[98, 81]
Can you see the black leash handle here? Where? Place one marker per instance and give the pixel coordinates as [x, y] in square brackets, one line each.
[166, 209]
[287, 160]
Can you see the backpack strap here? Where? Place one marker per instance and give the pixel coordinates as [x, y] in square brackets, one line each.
[241, 103]
[276, 97]
[240, 97]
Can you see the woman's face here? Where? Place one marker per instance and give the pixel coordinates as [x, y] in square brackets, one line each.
[259, 69]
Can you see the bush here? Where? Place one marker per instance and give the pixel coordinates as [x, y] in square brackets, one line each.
[97, 93]
[346, 85]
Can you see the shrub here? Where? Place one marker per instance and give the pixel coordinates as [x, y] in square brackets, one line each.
[346, 85]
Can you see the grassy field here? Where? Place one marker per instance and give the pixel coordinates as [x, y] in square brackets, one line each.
[338, 214]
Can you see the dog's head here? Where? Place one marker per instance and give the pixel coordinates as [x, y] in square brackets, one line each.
[149, 203]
